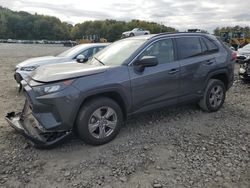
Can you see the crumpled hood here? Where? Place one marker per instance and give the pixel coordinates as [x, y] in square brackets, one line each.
[40, 61]
[63, 71]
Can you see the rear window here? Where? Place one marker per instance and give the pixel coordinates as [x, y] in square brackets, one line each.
[211, 47]
[188, 47]
[203, 46]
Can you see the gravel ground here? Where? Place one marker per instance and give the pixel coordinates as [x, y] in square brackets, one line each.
[174, 147]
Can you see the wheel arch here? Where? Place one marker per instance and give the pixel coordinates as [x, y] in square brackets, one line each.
[221, 75]
[112, 94]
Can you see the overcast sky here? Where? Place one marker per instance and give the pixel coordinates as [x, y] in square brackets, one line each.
[181, 14]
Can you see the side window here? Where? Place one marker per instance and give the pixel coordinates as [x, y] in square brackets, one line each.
[87, 53]
[188, 47]
[96, 49]
[203, 46]
[100, 48]
[210, 45]
[163, 50]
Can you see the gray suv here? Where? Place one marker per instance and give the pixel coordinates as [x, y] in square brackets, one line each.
[130, 76]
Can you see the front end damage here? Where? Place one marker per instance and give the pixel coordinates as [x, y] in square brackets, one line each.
[244, 71]
[28, 124]
[24, 123]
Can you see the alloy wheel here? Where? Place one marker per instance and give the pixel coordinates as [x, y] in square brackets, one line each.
[102, 122]
[216, 96]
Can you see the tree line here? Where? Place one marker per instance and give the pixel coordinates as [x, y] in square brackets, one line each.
[25, 26]
[236, 29]
[22, 25]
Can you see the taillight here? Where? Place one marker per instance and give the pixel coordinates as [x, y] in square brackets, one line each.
[234, 56]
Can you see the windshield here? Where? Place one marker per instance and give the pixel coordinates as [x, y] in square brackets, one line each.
[71, 52]
[116, 53]
[247, 47]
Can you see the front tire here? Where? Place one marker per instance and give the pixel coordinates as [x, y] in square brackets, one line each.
[131, 34]
[99, 121]
[214, 96]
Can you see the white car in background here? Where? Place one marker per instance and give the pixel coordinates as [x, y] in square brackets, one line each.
[243, 53]
[135, 32]
[80, 53]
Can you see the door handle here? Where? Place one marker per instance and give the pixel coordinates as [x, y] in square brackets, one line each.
[173, 71]
[209, 62]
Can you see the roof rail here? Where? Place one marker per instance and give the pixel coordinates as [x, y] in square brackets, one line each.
[167, 33]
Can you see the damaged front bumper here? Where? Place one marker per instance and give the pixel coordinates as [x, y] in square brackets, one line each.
[25, 123]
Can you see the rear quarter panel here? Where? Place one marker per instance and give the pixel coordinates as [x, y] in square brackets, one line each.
[225, 63]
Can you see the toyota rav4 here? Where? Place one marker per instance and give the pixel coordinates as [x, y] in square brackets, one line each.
[130, 76]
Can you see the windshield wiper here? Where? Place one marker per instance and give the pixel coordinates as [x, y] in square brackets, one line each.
[99, 61]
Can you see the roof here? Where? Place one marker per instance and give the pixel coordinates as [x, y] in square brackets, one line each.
[170, 34]
[181, 34]
[143, 36]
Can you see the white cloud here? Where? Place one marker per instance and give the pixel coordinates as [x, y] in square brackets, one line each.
[176, 13]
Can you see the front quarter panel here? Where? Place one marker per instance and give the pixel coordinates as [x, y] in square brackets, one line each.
[115, 79]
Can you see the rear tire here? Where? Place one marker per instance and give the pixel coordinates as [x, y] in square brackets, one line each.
[214, 96]
[99, 121]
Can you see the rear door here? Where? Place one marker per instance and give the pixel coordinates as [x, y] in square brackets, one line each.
[196, 61]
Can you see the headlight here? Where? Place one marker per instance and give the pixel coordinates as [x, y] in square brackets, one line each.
[29, 68]
[52, 88]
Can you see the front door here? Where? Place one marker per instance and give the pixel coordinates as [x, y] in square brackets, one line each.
[156, 86]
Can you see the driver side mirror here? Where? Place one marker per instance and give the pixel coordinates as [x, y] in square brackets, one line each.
[81, 58]
[146, 61]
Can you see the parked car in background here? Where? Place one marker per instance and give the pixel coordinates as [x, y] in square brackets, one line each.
[135, 32]
[81, 53]
[130, 76]
[243, 53]
[244, 71]
[70, 43]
